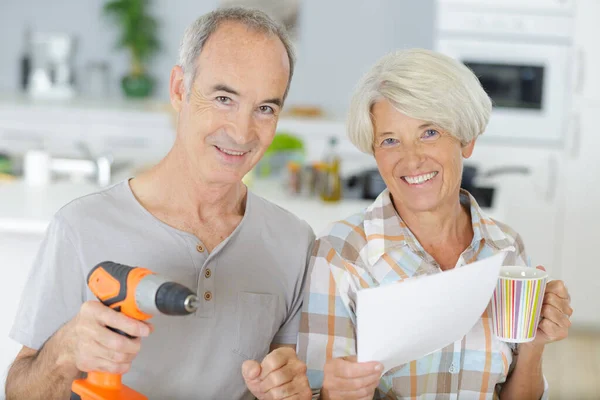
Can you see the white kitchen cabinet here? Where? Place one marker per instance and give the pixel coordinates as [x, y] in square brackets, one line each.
[126, 129]
[587, 56]
[17, 252]
[580, 241]
[526, 195]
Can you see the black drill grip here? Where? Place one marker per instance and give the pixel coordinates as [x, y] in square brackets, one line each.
[120, 273]
[117, 271]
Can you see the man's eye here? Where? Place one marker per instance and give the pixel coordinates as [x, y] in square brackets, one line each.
[266, 109]
[223, 99]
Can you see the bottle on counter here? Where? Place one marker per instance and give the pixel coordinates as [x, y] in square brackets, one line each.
[317, 176]
[294, 178]
[331, 184]
[25, 61]
[36, 168]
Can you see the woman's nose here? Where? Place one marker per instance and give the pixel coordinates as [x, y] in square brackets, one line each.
[414, 155]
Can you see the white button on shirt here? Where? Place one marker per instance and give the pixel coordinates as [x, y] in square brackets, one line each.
[453, 369]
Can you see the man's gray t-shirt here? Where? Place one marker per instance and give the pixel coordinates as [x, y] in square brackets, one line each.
[250, 289]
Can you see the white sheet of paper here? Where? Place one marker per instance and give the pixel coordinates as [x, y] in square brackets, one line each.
[402, 322]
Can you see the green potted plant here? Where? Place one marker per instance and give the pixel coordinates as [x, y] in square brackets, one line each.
[139, 37]
[284, 148]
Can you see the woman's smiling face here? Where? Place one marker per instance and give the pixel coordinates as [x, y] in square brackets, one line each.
[420, 164]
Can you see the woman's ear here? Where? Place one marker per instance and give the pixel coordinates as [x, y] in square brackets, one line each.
[467, 149]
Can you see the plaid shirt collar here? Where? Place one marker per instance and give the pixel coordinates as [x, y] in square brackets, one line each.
[385, 230]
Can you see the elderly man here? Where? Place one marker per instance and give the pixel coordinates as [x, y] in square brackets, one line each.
[191, 219]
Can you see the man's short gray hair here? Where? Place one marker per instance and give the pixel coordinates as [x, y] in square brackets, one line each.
[197, 34]
[424, 85]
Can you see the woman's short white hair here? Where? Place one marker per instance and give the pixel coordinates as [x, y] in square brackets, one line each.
[197, 34]
[425, 85]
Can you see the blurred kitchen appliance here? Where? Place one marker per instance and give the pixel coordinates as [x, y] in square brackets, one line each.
[368, 184]
[97, 79]
[521, 53]
[540, 7]
[51, 74]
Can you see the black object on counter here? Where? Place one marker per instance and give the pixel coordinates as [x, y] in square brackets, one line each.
[485, 195]
[25, 62]
[369, 182]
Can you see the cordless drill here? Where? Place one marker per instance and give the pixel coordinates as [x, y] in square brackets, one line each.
[138, 293]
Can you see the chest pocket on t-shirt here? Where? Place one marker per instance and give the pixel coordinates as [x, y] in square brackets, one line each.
[256, 324]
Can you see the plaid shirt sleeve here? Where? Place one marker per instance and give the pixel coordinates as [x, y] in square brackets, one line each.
[327, 323]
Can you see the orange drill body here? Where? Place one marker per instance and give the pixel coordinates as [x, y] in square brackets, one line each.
[110, 291]
[116, 286]
[104, 386]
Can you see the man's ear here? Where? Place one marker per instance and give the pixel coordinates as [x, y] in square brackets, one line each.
[177, 88]
[467, 150]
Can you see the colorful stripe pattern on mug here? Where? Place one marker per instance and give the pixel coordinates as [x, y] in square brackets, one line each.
[518, 303]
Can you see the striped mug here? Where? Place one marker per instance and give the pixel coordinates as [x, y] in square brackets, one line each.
[517, 303]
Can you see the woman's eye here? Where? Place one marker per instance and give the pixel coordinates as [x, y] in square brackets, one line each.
[431, 134]
[389, 142]
[223, 99]
[266, 110]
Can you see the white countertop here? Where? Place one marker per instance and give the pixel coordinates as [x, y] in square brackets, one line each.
[26, 209]
[317, 213]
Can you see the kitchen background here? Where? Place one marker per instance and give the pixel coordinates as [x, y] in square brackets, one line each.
[73, 129]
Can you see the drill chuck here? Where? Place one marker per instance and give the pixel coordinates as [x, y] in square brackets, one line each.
[138, 292]
[175, 299]
[155, 295]
[191, 303]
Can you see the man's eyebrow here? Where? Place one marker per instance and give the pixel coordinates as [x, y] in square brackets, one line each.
[277, 101]
[224, 88]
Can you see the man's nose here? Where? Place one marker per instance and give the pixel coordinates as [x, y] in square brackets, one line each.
[244, 127]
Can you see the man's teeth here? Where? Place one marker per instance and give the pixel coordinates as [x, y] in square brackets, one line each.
[231, 152]
[414, 180]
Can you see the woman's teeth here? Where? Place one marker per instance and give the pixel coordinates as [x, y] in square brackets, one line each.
[415, 180]
[231, 152]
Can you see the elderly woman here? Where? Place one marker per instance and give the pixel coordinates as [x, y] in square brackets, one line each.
[419, 113]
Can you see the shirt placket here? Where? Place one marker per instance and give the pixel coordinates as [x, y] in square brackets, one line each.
[204, 264]
[455, 369]
[455, 365]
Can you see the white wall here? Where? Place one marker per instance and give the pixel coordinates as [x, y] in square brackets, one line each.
[95, 34]
[335, 49]
[339, 39]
